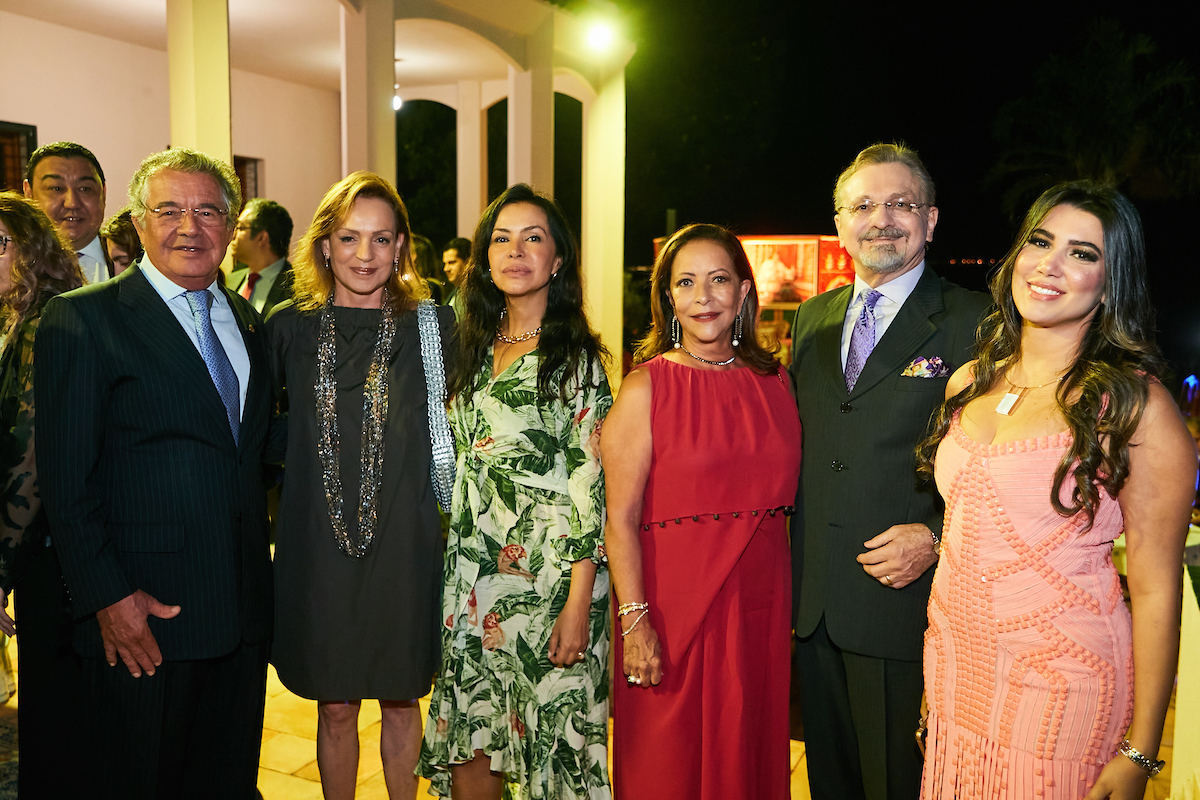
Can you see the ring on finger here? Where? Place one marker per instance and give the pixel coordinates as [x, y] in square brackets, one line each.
[581, 654]
[630, 679]
[887, 579]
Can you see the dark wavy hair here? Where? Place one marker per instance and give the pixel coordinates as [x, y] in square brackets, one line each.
[44, 264]
[758, 356]
[313, 281]
[567, 341]
[1103, 394]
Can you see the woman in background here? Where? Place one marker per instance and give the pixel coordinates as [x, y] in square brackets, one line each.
[36, 263]
[522, 695]
[1057, 438]
[359, 549]
[702, 458]
[122, 246]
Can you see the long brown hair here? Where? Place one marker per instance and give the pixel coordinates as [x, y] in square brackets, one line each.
[758, 357]
[568, 349]
[44, 264]
[313, 282]
[1103, 394]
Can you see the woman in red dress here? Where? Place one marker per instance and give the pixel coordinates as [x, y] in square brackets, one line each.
[702, 454]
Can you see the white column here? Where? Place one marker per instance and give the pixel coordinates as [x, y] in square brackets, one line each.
[531, 113]
[472, 156]
[198, 72]
[604, 212]
[368, 39]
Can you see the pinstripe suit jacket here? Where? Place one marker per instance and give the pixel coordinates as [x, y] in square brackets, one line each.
[859, 472]
[141, 479]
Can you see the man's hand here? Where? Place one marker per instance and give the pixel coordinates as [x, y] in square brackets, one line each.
[126, 634]
[899, 555]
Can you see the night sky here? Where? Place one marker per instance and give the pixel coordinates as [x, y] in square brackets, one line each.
[743, 113]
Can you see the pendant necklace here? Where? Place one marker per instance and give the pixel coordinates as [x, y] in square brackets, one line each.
[1008, 403]
[724, 363]
[524, 337]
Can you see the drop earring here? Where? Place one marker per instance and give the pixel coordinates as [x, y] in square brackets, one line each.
[737, 329]
[676, 334]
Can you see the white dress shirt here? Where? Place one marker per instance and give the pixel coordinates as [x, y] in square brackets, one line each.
[894, 292]
[221, 314]
[91, 261]
[266, 279]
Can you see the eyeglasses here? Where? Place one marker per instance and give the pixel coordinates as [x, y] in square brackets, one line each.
[4, 240]
[205, 217]
[899, 207]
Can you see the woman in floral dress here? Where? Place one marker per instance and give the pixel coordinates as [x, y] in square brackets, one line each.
[520, 705]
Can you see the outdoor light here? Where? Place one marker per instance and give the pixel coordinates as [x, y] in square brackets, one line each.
[396, 102]
[600, 36]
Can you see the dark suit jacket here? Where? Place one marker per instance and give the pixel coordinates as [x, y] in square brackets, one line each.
[142, 481]
[858, 475]
[281, 289]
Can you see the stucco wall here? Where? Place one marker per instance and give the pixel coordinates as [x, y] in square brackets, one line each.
[112, 97]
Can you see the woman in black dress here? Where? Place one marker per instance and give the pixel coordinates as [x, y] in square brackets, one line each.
[359, 550]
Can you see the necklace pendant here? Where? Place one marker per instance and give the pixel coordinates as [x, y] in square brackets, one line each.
[1008, 403]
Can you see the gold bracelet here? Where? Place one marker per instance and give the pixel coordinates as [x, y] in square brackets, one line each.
[629, 608]
[625, 633]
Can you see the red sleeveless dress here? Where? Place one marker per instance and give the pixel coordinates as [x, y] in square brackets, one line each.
[717, 572]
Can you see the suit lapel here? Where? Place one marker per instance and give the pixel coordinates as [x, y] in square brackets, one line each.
[255, 350]
[828, 338]
[153, 321]
[911, 327]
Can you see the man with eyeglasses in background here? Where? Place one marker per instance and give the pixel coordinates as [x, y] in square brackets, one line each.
[66, 180]
[153, 406]
[871, 362]
[261, 240]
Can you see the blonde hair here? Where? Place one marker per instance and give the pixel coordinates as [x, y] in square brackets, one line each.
[313, 282]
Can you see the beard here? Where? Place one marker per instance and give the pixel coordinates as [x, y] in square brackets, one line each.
[883, 258]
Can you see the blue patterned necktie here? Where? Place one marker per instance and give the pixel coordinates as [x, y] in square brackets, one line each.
[862, 340]
[219, 368]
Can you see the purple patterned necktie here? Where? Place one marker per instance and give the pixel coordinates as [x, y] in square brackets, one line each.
[862, 340]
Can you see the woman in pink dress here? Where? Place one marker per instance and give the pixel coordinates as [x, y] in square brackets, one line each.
[701, 457]
[1049, 445]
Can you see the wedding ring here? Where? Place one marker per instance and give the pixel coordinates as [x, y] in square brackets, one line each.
[887, 579]
[630, 679]
[581, 654]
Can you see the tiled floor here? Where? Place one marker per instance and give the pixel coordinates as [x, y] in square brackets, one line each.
[288, 766]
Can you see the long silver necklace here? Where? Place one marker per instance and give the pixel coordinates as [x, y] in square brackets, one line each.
[524, 337]
[375, 405]
[724, 363]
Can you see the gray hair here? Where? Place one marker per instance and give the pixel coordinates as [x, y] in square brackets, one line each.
[182, 159]
[883, 153]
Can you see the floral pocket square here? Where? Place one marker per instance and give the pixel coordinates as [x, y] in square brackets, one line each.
[922, 367]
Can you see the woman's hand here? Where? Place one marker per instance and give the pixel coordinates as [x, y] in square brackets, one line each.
[643, 654]
[1121, 779]
[6, 622]
[569, 637]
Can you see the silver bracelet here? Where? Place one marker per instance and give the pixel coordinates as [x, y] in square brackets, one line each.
[937, 542]
[1145, 762]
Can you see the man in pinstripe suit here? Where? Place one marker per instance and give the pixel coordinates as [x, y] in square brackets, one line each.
[153, 405]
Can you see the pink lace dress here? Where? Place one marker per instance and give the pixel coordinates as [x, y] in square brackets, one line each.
[1028, 655]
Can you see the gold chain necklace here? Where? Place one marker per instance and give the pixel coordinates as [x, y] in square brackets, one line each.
[1008, 403]
[524, 337]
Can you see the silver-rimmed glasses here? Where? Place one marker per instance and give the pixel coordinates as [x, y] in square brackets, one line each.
[209, 217]
[897, 206]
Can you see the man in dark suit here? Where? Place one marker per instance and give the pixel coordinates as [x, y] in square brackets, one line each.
[153, 406]
[260, 246]
[871, 362]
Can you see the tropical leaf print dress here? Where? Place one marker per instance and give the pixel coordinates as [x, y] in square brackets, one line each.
[528, 501]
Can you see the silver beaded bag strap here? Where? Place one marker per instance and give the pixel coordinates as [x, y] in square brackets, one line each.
[441, 468]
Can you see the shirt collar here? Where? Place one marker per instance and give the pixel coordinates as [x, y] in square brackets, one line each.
[272, 270]
[94, 250]
[894, 291]
[167, 288]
